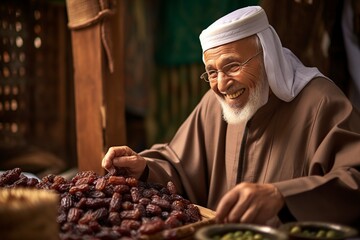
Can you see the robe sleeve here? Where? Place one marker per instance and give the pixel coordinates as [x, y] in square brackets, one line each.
[330, 189]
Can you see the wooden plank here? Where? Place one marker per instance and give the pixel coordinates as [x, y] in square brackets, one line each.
[88, 58]
[115, 133]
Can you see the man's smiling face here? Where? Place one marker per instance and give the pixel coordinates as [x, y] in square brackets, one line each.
[243, 93]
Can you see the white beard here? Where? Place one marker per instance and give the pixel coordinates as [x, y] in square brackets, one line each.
[258, 97]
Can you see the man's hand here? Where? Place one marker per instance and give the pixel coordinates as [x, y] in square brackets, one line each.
[250, 203]
[124, 157]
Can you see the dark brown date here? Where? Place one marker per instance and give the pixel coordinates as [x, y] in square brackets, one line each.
[153, 210]
[100, 214]
[164, 204]
[79, 188]
[85, 180]
[66, 202]
[117, 180]
[94, 203]
[130, 214]
[114, 218]
[96, 194]
[153, 226]
[10, 176]
[121, 188]
[130, 224]
[132, 182]
[83, 174]
[171, 187]
[135, 194]
[74, 214]
[115, 203]
[172, 222]
[100, 184]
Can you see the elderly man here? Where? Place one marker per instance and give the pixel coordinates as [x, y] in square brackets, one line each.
[272, 140]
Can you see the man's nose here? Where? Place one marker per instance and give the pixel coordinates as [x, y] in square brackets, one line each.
[222, 80]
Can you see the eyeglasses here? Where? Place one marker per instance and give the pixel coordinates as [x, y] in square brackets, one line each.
[231, 70]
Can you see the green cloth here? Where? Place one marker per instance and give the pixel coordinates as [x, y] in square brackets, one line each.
[180, 24]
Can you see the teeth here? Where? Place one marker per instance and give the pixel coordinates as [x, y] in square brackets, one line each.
[236, 94]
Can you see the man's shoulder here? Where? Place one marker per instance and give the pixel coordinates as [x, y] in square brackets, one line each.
[321, 86]
[320, 91]
[321, 82]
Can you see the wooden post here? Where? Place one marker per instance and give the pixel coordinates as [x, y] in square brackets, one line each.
[114, 86]
[98, 118]
[87, 54]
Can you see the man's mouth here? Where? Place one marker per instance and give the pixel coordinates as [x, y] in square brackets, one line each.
[235, 94]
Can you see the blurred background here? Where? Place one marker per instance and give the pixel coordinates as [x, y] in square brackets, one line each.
[49, 86]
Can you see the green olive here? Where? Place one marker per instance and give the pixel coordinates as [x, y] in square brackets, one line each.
[239, 235]
[320, 233]
[331, 234]
[295, 229]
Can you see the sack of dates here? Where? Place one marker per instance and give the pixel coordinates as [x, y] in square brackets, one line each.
[28, 214]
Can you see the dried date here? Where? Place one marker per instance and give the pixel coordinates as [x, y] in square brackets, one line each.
[152, 226]
[135, 194]
[79, 188]
[74, 214]
[114, 218]
[83, 174]
[193, 213]
[100, 214]
[130, 224]
[130, 214]
[66, 202]
[100, 184]
[97, 202]
[132, 182]
[32, 182]
[153, 210]
[10, 176]
[96, 194]
[144, 201]
[171, 187]
[85, 180]
[115, 203]
[172, 222]
[117, 180]
[178, 205]
[121, 188]
[164, 204]
[20, 182]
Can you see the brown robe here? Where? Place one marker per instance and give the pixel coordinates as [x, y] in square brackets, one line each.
[309, 148]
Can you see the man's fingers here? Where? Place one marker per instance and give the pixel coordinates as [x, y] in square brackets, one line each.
[107, 159]
[123, 161]
[113, 153]
[237, 212]
[224, 207]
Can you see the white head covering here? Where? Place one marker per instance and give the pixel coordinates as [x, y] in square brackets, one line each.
[287, 76]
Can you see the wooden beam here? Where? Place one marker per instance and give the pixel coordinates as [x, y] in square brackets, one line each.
[115, 82]
[88, 76]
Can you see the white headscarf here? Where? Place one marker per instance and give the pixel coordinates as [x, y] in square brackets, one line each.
[287, 76]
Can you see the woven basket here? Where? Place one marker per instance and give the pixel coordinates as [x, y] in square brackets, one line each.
[28, 214]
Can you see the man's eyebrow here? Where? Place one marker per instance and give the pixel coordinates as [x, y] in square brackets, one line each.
[209, 67]
[225, 61]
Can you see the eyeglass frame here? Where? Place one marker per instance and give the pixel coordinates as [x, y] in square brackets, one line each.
[205, 76]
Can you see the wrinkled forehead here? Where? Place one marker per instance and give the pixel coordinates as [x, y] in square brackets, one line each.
[233, 51]
[234, 26]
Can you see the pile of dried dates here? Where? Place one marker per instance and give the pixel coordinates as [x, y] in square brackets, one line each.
[113, 206]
